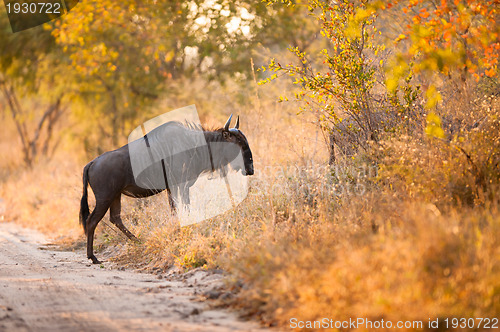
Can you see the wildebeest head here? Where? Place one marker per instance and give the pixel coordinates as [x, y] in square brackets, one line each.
[235, 136]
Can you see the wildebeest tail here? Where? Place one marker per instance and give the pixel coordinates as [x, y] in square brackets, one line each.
[84, 204]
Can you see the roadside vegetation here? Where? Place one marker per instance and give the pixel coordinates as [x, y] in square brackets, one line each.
[376, 143]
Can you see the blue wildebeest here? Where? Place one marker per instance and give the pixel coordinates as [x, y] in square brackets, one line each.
[111, 174]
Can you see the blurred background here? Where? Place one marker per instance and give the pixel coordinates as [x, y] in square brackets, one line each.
[374, 126]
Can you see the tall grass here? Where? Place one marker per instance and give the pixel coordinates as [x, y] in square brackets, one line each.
[409, 230]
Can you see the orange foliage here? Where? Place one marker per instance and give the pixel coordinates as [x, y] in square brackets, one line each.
[467, 29]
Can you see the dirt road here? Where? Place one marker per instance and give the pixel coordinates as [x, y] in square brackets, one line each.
[44, 290]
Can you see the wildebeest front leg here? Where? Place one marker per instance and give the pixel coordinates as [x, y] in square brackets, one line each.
[114, 216]
[182, 201]
[94, 218]
[171, 200]
[185, 196]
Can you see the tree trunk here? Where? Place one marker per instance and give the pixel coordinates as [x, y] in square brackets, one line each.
[32, 146]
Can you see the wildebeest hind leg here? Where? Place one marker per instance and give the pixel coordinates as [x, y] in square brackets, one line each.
[114, 216]
[94, 218]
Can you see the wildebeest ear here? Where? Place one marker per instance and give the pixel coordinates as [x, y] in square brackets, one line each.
[237, 125]
[226, 134]
[228, 122]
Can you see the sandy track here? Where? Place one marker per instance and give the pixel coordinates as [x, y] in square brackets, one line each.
[44, 290]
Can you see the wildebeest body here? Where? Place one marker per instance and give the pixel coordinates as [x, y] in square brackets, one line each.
[111, 174]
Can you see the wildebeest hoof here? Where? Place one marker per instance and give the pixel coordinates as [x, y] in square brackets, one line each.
[95, 260]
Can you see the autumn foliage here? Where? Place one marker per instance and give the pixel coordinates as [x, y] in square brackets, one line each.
[458, 34]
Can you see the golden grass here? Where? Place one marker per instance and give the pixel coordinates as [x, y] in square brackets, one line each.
[406, 232]
[46, 198]
[419, 264]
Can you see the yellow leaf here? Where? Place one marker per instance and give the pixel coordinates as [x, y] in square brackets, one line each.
[400, 37]
[433, 127]
[362, 14]
[392, 84]
[433, 97]
[169, 56]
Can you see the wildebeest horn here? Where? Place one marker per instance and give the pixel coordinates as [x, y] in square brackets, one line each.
[237, 125]
[226, 126]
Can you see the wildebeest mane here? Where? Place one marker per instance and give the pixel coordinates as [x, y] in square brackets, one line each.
[194, 137]
[195, 127]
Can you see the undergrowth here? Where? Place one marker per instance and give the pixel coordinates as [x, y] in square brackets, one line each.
[408, 230]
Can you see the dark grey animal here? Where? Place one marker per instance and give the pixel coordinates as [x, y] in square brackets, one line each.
[111, 174]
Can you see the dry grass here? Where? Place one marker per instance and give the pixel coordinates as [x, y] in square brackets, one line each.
[410, 231]
[419, 264]
[45, 198]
